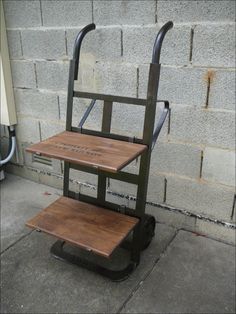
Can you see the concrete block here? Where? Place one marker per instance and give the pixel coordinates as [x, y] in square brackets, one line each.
[66, 13]
[24, 172]
[209, 127]
[119, 192]
[37, 104]
[83, 177]
[195, 11]
[100, 44]
[133, 167]
[51, 179]
[214, 45]
[62, 100]
[23, 74]
[219, 128]
[124, 12]
[176, 158]
[85, 76]
[156, 188]
[63, 106]
[36, 175]
[52, 75]
[50, 128]
[155, 193]
[211, 200]
[19, 156]
[222, 90]
[172, 218]
[123, 188]
[94, 120]
[128, 120]
[88, 190]
[114, 79]
[216, 231]
[75, 186]
[195, 128]
[138, 45]
[86, 73]
[14, 44]
[79, 107]
[120, 201]
[219, 166]
[178, 85]
[22, 13]
[30, 161]
[27, 130]
[82, 182]
[44, 44]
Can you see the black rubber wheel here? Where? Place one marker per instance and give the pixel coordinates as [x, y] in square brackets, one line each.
[148, 231]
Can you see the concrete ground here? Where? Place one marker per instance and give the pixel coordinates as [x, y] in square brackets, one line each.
[180, 272]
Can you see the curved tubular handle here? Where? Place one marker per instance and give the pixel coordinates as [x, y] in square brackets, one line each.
[77, 46]
[158, 42]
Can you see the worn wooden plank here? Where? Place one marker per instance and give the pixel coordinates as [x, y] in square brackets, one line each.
[102, 153]
[85, 225]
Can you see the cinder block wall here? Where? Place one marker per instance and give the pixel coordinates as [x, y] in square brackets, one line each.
[192, 170]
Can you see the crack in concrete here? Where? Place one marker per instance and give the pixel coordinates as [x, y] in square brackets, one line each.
[191, 45]
[92, 7]
[41, 12]
[233, 207]
[17, 241]
[148, 273]
[121, 43]
[201, 164]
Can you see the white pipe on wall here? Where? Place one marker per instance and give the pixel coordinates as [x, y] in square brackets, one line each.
[9, 157]
[12, 137]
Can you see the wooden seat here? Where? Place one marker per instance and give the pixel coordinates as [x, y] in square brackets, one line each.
[103, 153]
[88, 226]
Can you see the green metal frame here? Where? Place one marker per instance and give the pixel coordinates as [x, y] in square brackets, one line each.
[149, 138]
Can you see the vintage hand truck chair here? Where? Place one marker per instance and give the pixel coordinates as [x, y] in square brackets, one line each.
[93, 223]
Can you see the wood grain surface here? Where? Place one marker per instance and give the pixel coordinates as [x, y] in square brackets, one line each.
[88, 226]
[102, 153]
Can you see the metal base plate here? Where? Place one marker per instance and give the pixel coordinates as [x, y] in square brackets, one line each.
[58, 252]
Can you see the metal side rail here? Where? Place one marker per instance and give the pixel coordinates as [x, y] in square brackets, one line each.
[86, 114]
[160, 122]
